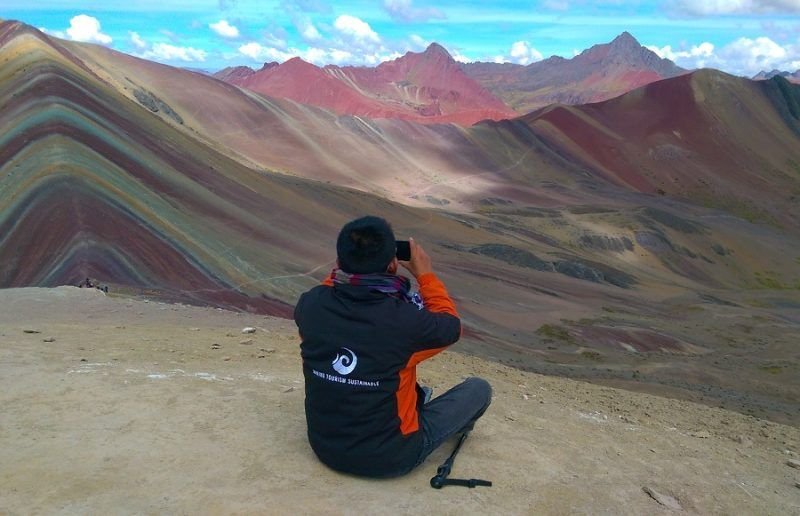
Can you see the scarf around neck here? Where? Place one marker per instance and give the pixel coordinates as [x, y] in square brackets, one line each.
[390, 284]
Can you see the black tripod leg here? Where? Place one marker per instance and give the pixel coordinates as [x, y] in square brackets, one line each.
[438, 481]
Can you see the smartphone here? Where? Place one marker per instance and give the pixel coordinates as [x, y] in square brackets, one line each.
[403, 250]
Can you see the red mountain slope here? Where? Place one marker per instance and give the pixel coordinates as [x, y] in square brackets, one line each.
[308, 84]
[720, 140]
[427, 87]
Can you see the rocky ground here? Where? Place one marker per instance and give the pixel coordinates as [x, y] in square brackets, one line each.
[117, 406]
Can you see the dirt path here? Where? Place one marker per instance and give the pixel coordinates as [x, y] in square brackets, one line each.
[131, 409]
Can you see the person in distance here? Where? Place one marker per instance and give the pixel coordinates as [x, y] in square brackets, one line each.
[363, 333]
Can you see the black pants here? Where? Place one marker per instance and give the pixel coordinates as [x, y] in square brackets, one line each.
[453, 412]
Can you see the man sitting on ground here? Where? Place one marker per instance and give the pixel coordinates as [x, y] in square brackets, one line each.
[363, 333]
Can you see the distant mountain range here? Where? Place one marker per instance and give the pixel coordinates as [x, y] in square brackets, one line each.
[424, 87]
[431, 87]
[789, 76]
[599, 73]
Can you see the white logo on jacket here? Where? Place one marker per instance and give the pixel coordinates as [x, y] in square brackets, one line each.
[344, 364]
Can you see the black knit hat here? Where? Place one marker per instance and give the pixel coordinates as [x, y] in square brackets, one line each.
[366, 246]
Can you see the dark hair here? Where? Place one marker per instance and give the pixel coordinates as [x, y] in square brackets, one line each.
[366, 246]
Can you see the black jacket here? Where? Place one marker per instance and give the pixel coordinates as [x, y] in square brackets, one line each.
[360, 349]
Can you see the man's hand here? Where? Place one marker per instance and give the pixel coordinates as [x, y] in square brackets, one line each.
[420, 262]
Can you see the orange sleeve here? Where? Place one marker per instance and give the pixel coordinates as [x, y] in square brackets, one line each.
[437, 300]
[407, 391]
[435, 295]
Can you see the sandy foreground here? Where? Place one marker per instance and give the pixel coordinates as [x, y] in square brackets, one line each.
[142, 407]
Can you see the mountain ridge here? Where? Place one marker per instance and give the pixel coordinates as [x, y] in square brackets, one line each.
[426, 87]
[790, 76]
[598, 73]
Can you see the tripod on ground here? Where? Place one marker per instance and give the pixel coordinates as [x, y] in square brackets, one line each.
[441, 480]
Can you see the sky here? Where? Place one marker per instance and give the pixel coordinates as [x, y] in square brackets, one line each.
[741, 37]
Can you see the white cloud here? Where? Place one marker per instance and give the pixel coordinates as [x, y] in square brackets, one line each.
[308, 31]
[137, 41]
[723, 7]
[461, 58]
[54, 33]
[743, 56]
[404, 11]
[315, 55]
[224, 29]
[262, 53]
[522, 53]
[275, 41]
[340, 56]
[697, 54]
[167, 52]
[87, 28]
[384, 55]
[750, 56]
[318, 56]
[356, 29]
[418, 42]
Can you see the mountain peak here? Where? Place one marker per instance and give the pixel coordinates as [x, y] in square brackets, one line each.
[625, 50]
[13, 28]
[296, 60]
[295, 63]
[437, 49]
[625, 38]
[625, 42]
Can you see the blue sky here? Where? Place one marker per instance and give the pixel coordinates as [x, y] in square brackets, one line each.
[737, 36]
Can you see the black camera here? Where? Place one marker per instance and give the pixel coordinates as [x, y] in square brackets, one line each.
[403, 250]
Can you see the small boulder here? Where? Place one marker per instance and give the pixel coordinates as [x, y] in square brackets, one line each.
[249, 329]
[246, 342]
[792, 463]
[30, 330]
[49, 339]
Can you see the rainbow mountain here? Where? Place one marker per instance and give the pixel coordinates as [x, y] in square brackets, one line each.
[575, 239]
